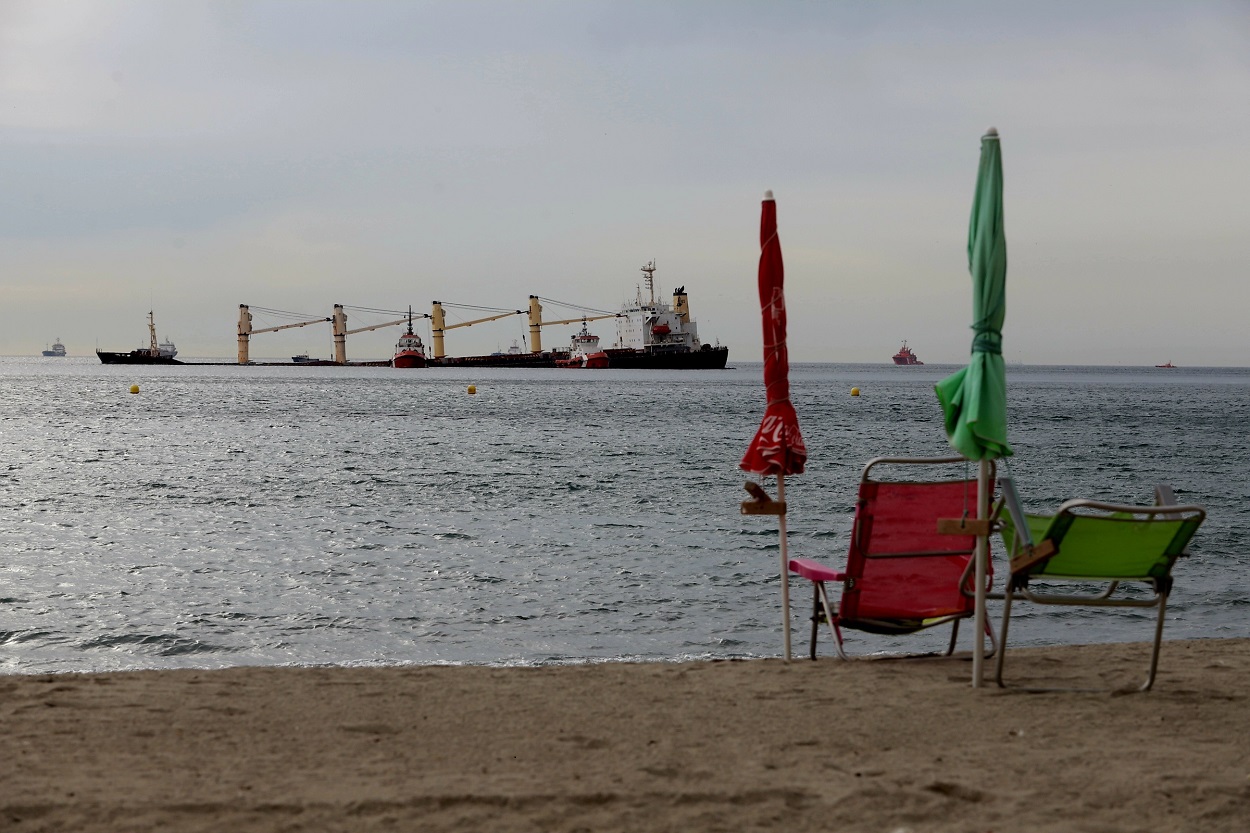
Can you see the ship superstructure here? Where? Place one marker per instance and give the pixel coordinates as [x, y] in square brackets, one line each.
[652, 333]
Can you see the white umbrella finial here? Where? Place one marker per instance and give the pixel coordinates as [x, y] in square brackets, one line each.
[768, 195]
[993, 131]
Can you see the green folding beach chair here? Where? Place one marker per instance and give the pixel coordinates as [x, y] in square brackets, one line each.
[1082, 554]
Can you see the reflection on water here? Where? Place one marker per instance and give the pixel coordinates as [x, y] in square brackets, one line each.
[231, 515]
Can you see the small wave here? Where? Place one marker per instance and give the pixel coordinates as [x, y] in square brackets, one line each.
[162, 645]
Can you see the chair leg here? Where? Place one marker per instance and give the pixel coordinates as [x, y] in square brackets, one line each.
[1002, 638]
[815, 616]
[989, 631]
[820, 605]
[950, 649]
[1154, 654]
[832, 620]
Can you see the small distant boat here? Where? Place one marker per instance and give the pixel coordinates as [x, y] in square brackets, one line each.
[57, 349]
[303, 358]
[1169, 366]
[409, 352]
[584, 351]
[514, 350]
[155, 353]
[905, 356]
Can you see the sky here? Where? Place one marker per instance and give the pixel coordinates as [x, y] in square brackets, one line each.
[189, 157]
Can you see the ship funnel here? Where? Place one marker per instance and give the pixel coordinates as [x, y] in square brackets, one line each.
[681, 304]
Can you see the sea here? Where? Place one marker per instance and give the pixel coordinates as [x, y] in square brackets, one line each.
[227, 516]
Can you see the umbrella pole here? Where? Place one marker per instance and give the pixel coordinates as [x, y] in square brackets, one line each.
[785, 566]
[982, 567]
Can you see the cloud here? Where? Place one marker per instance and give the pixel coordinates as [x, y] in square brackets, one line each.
[382, 154]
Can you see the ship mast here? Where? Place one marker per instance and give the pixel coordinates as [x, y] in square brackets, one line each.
[152, 333]
[649, 280]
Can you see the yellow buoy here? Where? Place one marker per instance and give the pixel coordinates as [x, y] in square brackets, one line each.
[472, 388]
[134, 388]
[854, 391]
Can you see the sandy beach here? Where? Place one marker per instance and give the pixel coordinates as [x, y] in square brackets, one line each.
[876, 745]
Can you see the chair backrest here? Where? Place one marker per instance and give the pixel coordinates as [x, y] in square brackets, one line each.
[899, 566]
[1109, 541]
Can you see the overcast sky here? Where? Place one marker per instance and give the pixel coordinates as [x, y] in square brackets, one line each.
[187, 157]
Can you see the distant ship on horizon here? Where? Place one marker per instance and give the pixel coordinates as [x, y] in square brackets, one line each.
[905, 356]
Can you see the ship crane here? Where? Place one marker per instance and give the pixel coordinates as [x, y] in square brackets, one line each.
[537, 322]
[341, 332]
[403, 320]
[536, 335]
[439, 325]
[582, 319]
[246, 331]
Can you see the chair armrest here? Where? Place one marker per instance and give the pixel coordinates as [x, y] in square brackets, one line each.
[1033, 554]
[814, 570]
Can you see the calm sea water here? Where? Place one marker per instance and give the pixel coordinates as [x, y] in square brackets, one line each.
[234, 516]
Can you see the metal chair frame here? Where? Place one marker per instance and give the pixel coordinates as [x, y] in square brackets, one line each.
[1018, 584]
[822, 610]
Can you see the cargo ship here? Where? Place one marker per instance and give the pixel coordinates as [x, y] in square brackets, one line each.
[650, 334]
[162, 353]
[57, 349]
[653, 334]
[905, 356]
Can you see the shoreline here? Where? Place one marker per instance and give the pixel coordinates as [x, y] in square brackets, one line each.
[881, 745]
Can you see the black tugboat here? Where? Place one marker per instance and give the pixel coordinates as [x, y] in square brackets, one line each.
[162, 353]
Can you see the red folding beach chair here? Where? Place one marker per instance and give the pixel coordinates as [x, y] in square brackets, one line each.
[902, 575]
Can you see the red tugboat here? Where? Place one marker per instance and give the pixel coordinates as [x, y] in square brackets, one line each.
[906, 356]
[1168, 366]
[409, 352]
[584, 351]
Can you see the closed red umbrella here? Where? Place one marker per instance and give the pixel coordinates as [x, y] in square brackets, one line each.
[777, 448]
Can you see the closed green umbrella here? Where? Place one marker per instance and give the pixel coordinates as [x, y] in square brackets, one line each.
[974, 399]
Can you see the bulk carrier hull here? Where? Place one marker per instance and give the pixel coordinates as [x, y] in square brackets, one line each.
[709, 358]
[499, 360]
